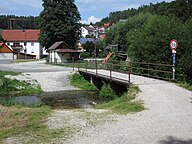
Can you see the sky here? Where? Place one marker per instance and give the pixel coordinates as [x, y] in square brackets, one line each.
[90, 10]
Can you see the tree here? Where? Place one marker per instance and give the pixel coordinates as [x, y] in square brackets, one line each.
[59, 21]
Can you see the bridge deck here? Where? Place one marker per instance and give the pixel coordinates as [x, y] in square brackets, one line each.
[107, 75]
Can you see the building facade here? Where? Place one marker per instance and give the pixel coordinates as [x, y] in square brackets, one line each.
[24, 41]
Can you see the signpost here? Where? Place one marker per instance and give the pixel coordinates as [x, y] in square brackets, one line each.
[174, 45]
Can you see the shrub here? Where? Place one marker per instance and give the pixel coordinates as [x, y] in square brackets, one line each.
[85, 55]
[107, 92]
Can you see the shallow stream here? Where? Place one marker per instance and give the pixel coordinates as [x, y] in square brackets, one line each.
[63, 99]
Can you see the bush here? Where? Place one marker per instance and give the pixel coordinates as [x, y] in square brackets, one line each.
[107, 92]
[85, 55]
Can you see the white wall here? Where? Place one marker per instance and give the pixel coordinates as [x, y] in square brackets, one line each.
[84, 32]
[7, 56]
[61, 57]
[33, 48]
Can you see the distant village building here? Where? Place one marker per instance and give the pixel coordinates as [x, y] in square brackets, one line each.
[60, 52]
[24, 42]
[89, 31]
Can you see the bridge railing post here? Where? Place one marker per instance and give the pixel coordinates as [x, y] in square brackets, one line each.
[78, 65]
[86, 66]
[129, 76]
[96, 69]
[110, 67]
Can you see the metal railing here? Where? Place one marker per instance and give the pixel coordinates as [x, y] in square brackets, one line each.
[158, 71]
[104, 70]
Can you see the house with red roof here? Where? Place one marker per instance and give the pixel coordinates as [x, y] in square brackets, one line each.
[24, 41]
[6, 52]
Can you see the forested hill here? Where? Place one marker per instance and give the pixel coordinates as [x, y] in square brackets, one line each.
[18, 22]
[179, 8]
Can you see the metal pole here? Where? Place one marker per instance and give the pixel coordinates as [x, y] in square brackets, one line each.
[73, 64]
[86, 66]
[173, 72]
[148, 69]
[129, 76]
[96, 68]
[110, 72]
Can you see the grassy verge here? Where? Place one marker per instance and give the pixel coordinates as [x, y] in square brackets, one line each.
[185, 85]
[13, 87]
[121, 105]
[27, 123]
[124, 104]
[78, 81]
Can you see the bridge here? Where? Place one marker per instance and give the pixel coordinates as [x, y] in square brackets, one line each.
[121, 73]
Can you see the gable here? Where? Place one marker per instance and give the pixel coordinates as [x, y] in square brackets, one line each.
[4, 48]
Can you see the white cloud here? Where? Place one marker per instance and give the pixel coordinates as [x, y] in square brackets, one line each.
[91, 19]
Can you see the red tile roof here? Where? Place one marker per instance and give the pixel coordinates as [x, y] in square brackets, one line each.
[20, 35]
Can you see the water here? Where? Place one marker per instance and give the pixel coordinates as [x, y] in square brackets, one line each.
[64, 99]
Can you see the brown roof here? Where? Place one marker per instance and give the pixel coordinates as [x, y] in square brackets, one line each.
[57, 45]
[68, 51]
[20, 35]
[5, 49]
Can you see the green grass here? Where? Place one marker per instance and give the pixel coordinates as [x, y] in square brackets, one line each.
[78, 81]
[13, 87]
[185, 85]
[124, 104]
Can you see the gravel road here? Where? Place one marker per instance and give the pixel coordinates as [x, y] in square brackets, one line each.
[166, 120]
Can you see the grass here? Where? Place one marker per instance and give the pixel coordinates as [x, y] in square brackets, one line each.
[124, 104]
[185, 85]
[13, 87]
[27, 122]
[78, 81]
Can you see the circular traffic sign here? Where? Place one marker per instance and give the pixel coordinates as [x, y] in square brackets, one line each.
[173, 44]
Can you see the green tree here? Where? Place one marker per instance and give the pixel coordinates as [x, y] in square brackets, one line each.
[59, 21]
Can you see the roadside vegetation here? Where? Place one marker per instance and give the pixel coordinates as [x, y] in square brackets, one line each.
[118, 104]
[21, 121]
[185, 85]
[12, 87]
[78, 81]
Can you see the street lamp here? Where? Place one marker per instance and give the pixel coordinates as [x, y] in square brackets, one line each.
[96, 37]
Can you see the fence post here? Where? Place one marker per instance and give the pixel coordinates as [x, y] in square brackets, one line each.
[148, 69]
[73, 64]
[129, 75]
[96, 68]
[86, 66]
[110, 72]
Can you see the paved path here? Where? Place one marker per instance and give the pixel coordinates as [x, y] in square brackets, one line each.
[166, 120]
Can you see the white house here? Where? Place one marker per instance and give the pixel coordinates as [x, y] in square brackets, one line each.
[24, 41]
[6, 53]
[89, 30]
[60, 52]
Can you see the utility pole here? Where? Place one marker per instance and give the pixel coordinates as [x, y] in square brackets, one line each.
[12, 20]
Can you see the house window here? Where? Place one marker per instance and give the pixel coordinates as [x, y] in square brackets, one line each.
[25, 44]
[32, 44]
[8, 44]
[16, 44]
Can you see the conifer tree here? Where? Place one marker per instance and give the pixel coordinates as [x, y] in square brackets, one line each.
[59, 21]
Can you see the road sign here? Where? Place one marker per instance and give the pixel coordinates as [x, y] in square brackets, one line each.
[173, 44]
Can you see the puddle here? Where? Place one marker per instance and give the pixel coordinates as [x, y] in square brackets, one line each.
[64, 99]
